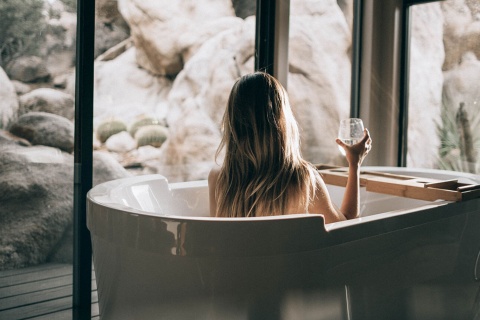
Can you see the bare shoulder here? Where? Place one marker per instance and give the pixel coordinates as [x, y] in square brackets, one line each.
[213, 175]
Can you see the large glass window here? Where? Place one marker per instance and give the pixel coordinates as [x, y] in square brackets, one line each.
[160, 93]
[319, 79]
[37, 84]
[444, 122]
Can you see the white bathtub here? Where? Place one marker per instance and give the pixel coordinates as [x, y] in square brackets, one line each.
[157, 255]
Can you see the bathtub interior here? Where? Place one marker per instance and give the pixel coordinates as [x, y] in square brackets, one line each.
[154, 195]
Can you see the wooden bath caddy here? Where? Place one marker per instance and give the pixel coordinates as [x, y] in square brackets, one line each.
[403, 186]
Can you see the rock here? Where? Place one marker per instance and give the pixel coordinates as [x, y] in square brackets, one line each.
[425, 101]
[8, 102]
[202, 85]
[107, 36]
[110, 27]
[36, 203]
[8, 138]
[244, 8]
[60, 81]
[461, 85]
[41, 128]
[20, 87]
[152, 22]
[116, 50]
[59, 48]
[106, 168]
[36, 200]
[48, 100]
[28, 69]
[320, 75]
[121, 142]
[133, 92]
[318, 86]
[189, 42]
[461, 31]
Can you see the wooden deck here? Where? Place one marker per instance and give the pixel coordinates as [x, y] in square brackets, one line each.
[41, 292]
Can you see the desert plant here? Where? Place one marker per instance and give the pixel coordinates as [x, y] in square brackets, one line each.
[22, 28]
[142, 122]
[110, 127]
[153, 135]
[459, 135]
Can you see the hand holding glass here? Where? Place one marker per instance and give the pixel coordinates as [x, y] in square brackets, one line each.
[350, 132]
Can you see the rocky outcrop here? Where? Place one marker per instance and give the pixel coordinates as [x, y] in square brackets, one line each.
[36, 203]
[8, 101]
[319, 78]
[48, 100]
[152, 22]
[41, 128]
[461, 85]
[110, 27]
[28, 69]
[36, 196]
[134, 91]
[461, 30]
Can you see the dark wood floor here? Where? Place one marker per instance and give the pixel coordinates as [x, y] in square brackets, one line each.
[40, 292]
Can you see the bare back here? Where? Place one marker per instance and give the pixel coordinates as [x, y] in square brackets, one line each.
[322, 203]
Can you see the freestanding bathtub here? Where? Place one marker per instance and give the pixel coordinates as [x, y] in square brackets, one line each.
[157, 255]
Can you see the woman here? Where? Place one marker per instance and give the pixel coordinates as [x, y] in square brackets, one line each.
[263, 172]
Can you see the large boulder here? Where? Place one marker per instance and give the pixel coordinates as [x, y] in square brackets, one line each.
[48, 100]
[318, 84]
[36, 196]
[461, 30]
[152, 22]
[36, 203]
[134, 91]
[461, 85]
[425, 101]
[41, 128]
[320, 75]
[110, 27]
[28, 69]
[8, 101]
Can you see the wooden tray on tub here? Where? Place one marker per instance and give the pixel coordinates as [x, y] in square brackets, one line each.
[403, 186]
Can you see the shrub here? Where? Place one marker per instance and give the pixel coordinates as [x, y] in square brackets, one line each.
[22, 28]
[108, 128]
[153, 135]
[459, 140]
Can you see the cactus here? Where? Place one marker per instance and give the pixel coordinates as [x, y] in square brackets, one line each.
[153, 135]
[141, 122]
[108, 128]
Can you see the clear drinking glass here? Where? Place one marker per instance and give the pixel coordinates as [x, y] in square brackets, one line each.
[350, 132]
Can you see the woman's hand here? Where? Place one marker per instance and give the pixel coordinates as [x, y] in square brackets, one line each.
[357, 152]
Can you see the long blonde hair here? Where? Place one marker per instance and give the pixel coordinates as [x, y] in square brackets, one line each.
[263, 170]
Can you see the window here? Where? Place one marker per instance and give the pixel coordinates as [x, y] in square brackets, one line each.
[444, 86]
[320, 68]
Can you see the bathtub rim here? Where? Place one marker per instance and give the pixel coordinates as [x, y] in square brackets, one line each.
[94, 193]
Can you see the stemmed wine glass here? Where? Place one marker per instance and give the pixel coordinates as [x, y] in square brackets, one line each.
[350, 132]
